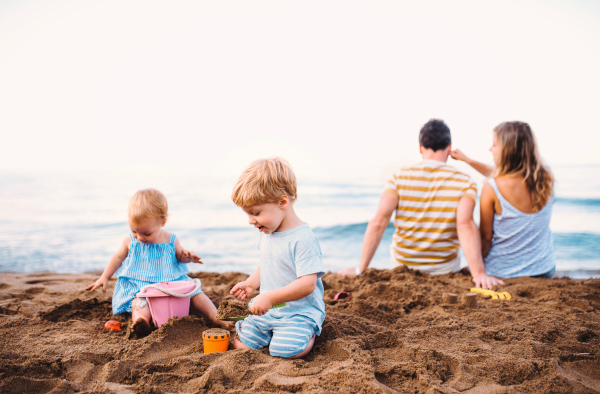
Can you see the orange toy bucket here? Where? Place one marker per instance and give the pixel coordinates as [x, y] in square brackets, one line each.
[215, 340]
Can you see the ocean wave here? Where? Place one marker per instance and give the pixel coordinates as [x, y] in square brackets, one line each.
[347, 230]
[577, 246]
[585, 202]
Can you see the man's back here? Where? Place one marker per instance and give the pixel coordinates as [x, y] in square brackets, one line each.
[426, 235]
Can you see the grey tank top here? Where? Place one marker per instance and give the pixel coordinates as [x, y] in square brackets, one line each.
[522, 243]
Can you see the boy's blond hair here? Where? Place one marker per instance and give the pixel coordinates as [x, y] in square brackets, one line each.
[265, 181]
[147, 204]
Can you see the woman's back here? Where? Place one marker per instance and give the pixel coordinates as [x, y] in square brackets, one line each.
[515, 191]
[521, 242]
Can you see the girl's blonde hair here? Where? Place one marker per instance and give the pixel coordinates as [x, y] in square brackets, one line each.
[519, 155]
[265, 181]
[147, 204]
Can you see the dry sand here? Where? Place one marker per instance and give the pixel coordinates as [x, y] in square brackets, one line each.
[393, 335]
[232, 308]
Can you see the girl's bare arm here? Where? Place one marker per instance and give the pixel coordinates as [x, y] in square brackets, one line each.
[185, 256]
[112, 267]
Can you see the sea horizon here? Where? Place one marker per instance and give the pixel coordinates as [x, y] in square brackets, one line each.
[70, 221]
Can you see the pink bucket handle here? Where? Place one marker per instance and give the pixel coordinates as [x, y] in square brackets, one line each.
[142, 302]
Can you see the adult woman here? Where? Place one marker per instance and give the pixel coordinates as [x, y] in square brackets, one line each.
[516, 205]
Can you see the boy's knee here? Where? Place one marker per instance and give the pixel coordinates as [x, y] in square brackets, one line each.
[291, 351]
[306, 350]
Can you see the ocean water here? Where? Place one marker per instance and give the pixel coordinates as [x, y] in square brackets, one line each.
[74, 222]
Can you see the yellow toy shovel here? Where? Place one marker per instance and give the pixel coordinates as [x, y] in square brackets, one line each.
[502, 295]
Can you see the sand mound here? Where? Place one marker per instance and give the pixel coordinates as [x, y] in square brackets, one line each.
[393, 335]
[232, 308]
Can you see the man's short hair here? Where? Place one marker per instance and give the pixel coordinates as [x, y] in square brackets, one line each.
[435, 135]
[265, 181]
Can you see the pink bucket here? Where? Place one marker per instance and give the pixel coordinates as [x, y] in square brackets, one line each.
[164, 306]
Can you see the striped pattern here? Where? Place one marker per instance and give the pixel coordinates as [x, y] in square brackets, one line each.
[152, 262]
[286, 336]
[425, 221]
[522, 243]
[146, 264]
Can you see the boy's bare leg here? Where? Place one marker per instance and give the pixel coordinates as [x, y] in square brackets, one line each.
[239, 344]
[311, 342]
[205, 306]
[141, 319]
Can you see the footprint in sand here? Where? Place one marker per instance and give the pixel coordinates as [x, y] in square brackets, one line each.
[583, 372]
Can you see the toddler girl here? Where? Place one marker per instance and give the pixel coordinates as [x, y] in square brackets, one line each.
[149, 255]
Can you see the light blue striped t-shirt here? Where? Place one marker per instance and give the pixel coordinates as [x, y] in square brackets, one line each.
[522, 243]
[284, 257]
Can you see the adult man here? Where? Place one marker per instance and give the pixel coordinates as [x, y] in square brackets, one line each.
[434, 211]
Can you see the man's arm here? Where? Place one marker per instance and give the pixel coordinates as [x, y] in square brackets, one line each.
[375, 230]
[470, 241]
[486, 218]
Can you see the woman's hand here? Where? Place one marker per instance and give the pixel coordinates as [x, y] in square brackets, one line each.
[100, 282]
[485, 281]
[458, 155]
[242, 291]
[261, 305]
[188, 256]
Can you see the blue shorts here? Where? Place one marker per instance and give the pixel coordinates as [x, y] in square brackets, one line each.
[127, 288]
[286, 336]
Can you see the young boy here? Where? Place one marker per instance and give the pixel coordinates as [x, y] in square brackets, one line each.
[290, 267]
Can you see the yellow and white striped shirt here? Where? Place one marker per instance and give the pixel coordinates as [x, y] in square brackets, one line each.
[428, 195]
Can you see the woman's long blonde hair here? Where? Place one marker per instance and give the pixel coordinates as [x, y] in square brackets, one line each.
[519, 155]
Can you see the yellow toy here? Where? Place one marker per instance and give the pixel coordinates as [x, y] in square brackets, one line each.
[502, 295]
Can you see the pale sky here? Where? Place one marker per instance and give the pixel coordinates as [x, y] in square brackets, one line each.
[206, 87]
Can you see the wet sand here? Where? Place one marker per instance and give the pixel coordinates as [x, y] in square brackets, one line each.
[393, 335]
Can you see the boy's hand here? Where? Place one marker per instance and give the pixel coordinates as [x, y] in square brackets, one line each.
[188, 256]
[242, 291]
[261, 305]
[100, 282]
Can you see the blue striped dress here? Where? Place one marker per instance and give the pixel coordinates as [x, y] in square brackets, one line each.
[146, 264]
[522, 242]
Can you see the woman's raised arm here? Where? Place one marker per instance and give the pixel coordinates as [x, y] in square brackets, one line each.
[483, 169]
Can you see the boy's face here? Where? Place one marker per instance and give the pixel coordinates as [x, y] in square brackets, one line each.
[147, 231]
[266, 217]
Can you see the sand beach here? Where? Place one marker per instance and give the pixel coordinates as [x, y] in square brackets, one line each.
[394, 334]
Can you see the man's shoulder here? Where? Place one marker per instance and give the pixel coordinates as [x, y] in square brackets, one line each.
[429, 169]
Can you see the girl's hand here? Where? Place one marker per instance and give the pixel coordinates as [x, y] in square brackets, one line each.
[189, 257]
[261, 305]
[458, 155]
[242, 291]
[100, 282]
